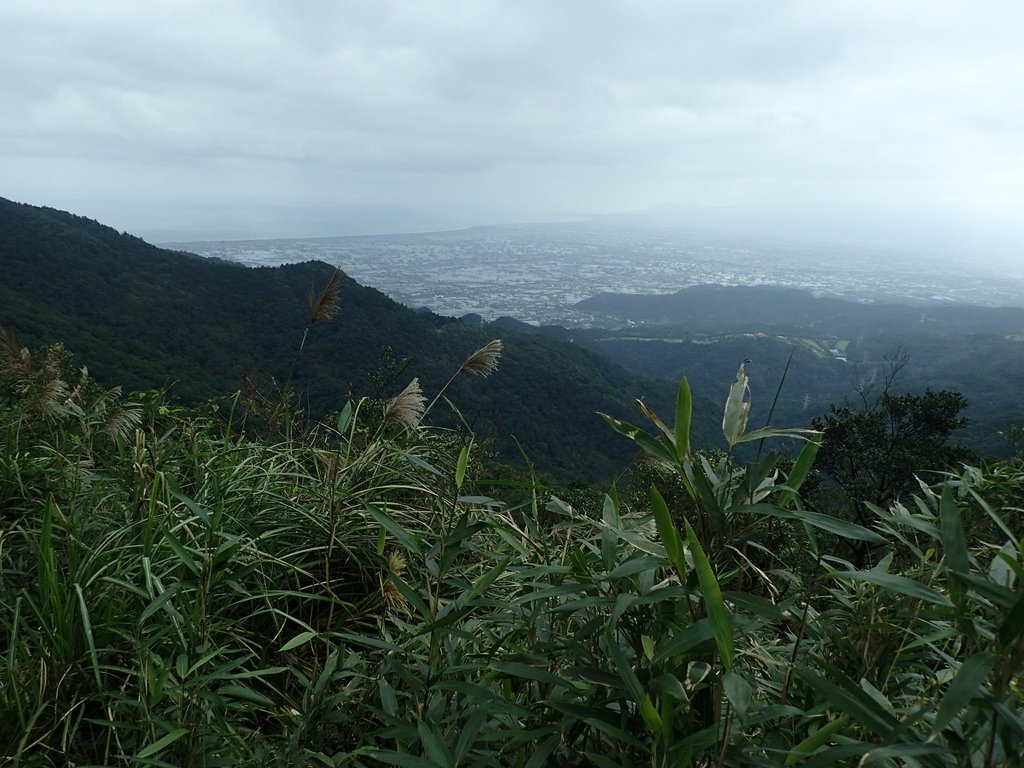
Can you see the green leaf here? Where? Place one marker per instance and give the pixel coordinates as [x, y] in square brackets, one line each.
[841, 754]
[625, 669]
[246, 694]
[834, 525]
[345, 417]
[87, 626]
[851, 700]
[652, 446]
[300, 639]
[412, 596]
[953, 539]
[161, 743]
[819, 738]
[526, 672]
[899, 584]
[1013, 625]
[460, 468]
[718, 614]
[738, 691]
[634, 565]
[801, 468]
[388, 700]
[684, 418]
[650, 714]
[964, 687]
[435, 748]
[402, 759]
[668, 532]
[405, 538]
[737, 408]
[766, 432]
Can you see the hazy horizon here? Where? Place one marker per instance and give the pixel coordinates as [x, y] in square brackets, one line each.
[880, 123]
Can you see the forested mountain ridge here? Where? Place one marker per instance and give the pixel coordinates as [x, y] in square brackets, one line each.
[143, 317]
[742, 308]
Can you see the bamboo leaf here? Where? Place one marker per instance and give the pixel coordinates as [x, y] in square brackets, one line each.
[842, 528]
[526, 672]
[899, 584]
[766, 432]
[1013, 625]
[161, 743]
[737, 408]
[403, 759]
[818, 739]
[649, 444]
[738, 691]
[625, 670]
[953, 539]
[668, 532]
[850, 700]
[801, 468]
[300, 639]
[344, 418]
[718, 614]
[650, 714]
[435, 748]
[964, 687]
[684, 418]
[405, 538]
[460, 468]
[246, 694]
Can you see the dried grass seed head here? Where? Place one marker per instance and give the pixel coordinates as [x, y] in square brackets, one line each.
[407, 406]
[393, 597]
[324, 306]
[484, 361]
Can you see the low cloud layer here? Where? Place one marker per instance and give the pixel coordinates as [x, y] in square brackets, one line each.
[189, 120]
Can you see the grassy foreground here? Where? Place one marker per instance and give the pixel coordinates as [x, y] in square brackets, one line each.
[176, 592]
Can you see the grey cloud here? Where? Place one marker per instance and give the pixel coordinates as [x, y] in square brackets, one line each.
[439, 112]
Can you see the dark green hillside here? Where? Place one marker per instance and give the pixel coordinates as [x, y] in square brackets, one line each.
[144, 317]
[838, 347]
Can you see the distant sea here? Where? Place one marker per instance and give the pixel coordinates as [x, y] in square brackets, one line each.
[537, 273]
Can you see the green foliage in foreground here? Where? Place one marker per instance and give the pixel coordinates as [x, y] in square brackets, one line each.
[173, 593]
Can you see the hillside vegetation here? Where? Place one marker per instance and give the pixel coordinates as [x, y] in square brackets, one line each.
[839, 348]
[174, 592]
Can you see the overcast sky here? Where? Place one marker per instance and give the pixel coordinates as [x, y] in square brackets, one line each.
[184, 120]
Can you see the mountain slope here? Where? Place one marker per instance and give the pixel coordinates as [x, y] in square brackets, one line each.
[144, 317]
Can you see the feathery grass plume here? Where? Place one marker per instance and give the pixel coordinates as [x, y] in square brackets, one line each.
[324, 306]
[19, 360]
[407, 406]
[484, 361]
